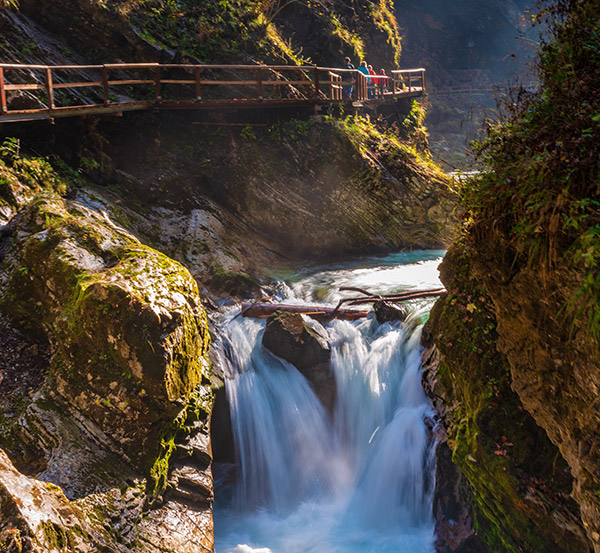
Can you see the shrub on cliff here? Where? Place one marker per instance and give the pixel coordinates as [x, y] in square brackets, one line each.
[539, 193]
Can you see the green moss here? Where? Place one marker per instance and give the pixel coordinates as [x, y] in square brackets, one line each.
[198, 408]
[56, 537]
[513, 468]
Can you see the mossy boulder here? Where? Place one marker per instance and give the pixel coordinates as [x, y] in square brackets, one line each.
[125, 322]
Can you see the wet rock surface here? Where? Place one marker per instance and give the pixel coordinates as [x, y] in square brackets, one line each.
[305, 346]
[387, 312]
[114, 382]
[521, 485]
[35, 515]
[288, 336]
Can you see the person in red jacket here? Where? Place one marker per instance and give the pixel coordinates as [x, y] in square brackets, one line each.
[372, 82]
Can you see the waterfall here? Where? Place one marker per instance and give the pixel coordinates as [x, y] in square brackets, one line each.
[357, 480]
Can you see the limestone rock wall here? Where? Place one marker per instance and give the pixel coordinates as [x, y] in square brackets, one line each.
[113, 446]
[521, 483]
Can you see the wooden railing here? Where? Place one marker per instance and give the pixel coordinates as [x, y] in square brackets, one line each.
[408, 81]
[79, 89]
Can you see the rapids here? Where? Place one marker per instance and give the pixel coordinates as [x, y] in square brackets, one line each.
[305, 482]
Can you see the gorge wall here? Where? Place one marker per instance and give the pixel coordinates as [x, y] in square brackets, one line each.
[518, 331]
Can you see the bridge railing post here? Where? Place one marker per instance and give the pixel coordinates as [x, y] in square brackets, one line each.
[157, 92]
[50, 88]
[259, 83]
[316, 83]
[198, 90]
[105, 84]
[3, 107]
[362, 88]
[423, 79]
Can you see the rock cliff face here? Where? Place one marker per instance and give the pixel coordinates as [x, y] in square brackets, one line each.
[113, 443]
[519, 333]
[520, 482]
[305, 189]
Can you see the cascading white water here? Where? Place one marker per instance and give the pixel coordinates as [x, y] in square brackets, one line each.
[305, 483]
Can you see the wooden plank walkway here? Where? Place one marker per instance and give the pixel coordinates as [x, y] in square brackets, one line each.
[115, 88]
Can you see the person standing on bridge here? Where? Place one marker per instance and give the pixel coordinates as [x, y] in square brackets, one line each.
[365, 70]
[372, 82]
[382, 82]
[349, 77]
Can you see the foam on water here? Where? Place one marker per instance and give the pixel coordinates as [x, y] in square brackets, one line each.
[306, 483]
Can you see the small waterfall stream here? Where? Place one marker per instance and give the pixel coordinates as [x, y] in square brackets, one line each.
[357, 481]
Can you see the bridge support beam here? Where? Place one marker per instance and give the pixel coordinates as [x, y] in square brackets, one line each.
[157, 83]
[105, 84]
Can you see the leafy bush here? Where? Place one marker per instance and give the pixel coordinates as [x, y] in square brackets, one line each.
[539, 191]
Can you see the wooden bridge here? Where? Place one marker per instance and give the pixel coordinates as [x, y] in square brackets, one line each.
[38, 92]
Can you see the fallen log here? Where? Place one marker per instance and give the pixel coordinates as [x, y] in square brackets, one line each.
[263, 310]
[417, 294]
[390, 298]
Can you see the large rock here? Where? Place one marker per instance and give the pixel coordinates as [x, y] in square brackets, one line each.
[36, 517]
[125, 322]
[453, 508]
[554, 365]
[306, 347]
[453, 502]
[128, 385]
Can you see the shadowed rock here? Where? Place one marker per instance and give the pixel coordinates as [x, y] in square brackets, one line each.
[289, 337]
[385, 312]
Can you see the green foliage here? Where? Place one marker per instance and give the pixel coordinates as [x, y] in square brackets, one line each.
[539, 191]
[9, 150]
[413, 126]
[35, 172]
[205, 30]
[387, 141]
[347, 36]
[291, 130]
[268, 30]
[382, 14]
[247, 133]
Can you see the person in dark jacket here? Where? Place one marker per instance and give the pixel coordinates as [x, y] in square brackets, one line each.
[348, 77]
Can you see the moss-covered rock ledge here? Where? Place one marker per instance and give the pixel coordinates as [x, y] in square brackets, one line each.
[520, 483]
[125, 322]
[128, 377]
[531, 248]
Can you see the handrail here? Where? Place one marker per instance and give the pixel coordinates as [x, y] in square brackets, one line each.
[309, 84]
